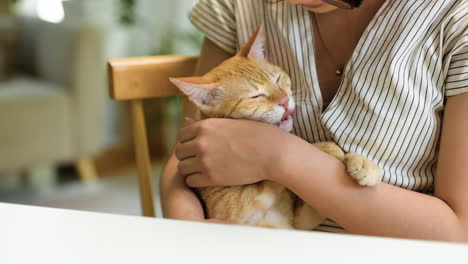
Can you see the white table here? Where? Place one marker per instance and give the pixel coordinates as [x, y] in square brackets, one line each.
[44, 235]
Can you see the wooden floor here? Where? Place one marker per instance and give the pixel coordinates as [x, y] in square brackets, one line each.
[115, 191]
[116, 194]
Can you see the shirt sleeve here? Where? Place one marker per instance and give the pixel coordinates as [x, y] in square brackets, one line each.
[456, 53]
[217, 20]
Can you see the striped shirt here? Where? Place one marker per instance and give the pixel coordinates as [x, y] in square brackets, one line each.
[389, 106]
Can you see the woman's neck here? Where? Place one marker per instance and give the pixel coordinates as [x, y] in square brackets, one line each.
[336, 36]
[342, 29]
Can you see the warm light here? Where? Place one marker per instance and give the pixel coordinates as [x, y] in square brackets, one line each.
[50, 10]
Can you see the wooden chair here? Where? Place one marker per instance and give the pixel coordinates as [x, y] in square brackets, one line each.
[136, 79]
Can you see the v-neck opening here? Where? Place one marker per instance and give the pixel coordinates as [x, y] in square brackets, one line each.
[316, 84]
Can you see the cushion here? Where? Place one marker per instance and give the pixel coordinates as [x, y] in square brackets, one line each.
[35, 123]
[55, 52]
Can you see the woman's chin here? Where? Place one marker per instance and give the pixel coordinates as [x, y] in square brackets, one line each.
[323, 9]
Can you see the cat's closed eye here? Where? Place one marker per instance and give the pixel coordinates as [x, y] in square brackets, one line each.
[258, 96]
[278, 79]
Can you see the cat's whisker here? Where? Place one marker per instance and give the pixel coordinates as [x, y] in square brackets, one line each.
[300, 90]
[298, 96]
[301, 101]
[300, 104]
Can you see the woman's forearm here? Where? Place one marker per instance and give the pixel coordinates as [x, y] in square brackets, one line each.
[383, 210]
[178, 200]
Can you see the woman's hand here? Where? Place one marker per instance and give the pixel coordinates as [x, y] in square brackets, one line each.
[228, 152]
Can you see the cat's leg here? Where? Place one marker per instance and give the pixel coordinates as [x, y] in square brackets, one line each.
[306, 217]
[331, 148]
[364, 171]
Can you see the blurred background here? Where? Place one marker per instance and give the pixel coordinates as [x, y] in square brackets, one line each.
[63, 142]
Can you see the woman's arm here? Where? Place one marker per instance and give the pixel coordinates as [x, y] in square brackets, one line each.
[386, 210]
[178, 200]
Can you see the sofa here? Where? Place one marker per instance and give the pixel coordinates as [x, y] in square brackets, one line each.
[52, 108]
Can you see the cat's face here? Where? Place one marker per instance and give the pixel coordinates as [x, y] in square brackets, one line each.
[244, 87]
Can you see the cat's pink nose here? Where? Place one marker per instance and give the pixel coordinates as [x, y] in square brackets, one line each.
[284, 103]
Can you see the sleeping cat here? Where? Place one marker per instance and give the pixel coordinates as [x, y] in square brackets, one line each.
[246, 86]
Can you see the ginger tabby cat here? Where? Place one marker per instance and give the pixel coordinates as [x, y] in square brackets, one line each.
[246, 86]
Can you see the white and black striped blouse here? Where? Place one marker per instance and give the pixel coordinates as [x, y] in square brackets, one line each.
[389, 107]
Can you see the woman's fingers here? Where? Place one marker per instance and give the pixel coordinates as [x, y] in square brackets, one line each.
[189, 166]
[188, 133]
[186, 150]
[198, 180]
[186, 144]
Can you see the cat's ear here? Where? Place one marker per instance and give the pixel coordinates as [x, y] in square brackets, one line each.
[198, 90]
[255, 47]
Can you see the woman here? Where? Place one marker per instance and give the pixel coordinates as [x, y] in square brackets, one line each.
[376, 79]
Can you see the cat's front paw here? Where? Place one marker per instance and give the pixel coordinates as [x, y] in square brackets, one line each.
[364, 171]
[330, 148]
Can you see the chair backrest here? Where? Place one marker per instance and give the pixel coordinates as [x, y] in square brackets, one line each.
[136, 79]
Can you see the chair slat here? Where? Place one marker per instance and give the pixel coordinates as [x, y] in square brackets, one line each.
[147, 77]
[143, 159]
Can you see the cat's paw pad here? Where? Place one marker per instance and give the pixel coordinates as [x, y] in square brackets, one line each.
[364, 171]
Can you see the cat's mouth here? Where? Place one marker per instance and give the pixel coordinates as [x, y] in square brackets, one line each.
[287, 117]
